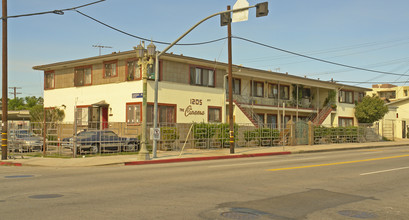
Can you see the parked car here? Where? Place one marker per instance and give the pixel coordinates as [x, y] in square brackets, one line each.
[25, 141]
[96, 141]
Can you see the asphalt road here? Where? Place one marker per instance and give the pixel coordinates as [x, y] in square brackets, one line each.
[356, 184]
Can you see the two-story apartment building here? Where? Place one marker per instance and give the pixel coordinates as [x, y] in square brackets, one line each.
[108, 88]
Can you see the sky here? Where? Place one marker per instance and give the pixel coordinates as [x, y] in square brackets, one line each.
[370, 34]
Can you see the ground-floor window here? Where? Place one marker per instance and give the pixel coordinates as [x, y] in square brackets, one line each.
[214, 114]
[272, 121]
[82, 115]
[166, 113]
[133, 113]
[344, 121]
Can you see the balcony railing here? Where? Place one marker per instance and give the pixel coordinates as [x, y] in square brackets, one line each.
[249, 100]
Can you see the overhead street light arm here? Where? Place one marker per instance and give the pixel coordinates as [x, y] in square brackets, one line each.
[198, 23]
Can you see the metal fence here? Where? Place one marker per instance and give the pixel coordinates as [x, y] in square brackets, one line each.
[65, 139]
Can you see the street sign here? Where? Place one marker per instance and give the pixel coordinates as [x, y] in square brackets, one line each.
[240, 15]
[137, 95]
[155, 134]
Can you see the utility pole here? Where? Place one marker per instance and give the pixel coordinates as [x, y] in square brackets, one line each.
[15, 91]
[4, 84]
[230, 77]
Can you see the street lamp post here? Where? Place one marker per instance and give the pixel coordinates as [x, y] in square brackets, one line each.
[145, 59]
[262, 10]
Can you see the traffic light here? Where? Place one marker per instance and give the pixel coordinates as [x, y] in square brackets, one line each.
[225, 19]
[262, 9]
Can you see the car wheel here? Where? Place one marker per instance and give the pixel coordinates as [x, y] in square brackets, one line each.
[94, 149]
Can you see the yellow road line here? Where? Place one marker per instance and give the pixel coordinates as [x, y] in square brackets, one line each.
[338, 163]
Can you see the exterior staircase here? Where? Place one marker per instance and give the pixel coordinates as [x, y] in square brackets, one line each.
[248, 111]
[319, 118]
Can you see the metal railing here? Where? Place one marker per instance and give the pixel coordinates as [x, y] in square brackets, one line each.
[120, 138]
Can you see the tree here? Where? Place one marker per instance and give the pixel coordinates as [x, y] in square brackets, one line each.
[371, 109]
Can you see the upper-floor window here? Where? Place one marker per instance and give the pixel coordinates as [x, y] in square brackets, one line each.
[346, 97]
[214, 114]
[272, 90]
[133, 113]
[83, 76]
[49, 81]
[387, 94]
[257, 89]
[306, 93]
[361, 96]
[236, 86]
[110, 69]
[133, 71]
[201, 77]
[284, 92]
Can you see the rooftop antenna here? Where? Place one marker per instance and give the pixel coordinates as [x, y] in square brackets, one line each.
[101, 46]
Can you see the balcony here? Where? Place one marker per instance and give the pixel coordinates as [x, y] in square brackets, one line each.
[274, 102]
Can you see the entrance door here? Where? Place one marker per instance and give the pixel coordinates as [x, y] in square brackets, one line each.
[104, 117]
[404, 129]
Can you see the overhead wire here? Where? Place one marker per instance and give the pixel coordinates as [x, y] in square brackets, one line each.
[58, 12]
[317, 59]
[145, 39]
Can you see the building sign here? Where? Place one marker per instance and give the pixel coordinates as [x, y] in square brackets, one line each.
[190, 110]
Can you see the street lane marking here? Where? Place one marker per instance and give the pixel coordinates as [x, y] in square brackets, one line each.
[271, 161]
[338, 163]
[383, 171]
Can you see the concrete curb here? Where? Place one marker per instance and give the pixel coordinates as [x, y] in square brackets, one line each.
[175, 160]
[10, 164]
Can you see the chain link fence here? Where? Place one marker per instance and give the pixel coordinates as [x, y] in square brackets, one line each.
[67, 140]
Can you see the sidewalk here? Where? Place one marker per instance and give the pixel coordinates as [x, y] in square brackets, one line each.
[194, 155]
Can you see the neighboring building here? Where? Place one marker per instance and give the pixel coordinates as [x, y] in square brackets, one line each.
[108, 89]
[395, 123]
[389, 92]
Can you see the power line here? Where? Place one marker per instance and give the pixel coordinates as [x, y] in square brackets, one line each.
[58, 12]
[146, 39]
[15, 93]
[317, 59]
[367, 82]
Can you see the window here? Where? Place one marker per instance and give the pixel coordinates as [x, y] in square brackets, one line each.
[110, 69]
[261, 119]
[201, 77]
[346, 97]
[49, 80]
[82, 76]
[388, 94]
[258, 89]
[361, 96]
[166, 113]
[82, 116]
[272, 91]
[133, 113]
[284, 92]
[214, 114]
[133, 71]
[345, 122]
[236, 86]
[272, 121]
[306, 93]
